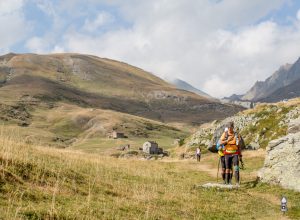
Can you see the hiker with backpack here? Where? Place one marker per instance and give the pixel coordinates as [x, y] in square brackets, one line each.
[232, 153]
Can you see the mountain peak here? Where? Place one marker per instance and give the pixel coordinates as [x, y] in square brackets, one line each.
[180, 84]
[284, 76]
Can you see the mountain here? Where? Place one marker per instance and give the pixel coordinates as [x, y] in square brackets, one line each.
[95, 82]
[233, 97]
[285, 76]
[77, 100]
[237, 100]
[180, 84]
[287, 92]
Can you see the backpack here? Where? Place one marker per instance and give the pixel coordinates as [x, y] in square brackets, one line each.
[214, 145]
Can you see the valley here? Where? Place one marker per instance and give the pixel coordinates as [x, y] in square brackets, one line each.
[59, 161]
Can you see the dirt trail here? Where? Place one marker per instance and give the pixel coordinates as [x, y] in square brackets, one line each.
[208, 168]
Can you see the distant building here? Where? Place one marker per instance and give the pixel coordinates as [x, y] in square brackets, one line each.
[151, 147]
[116, 135]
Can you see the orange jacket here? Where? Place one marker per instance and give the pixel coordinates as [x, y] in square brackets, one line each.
[231, 148]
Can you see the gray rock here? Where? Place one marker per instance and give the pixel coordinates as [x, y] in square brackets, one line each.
[294, 126]
[282, 163]
[253, 146]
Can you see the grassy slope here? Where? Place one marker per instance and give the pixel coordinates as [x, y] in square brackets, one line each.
[87, 129]
[268, 126]
[122, 97]
[44, 183]
[90, 81]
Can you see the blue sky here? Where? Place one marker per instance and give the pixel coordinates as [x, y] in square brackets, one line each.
[210, 44]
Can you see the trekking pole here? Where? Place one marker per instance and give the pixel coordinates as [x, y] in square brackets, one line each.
[218, 169]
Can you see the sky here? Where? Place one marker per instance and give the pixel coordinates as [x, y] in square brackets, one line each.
[219, 46]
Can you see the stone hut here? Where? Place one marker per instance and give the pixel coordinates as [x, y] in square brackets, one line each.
[151, 147]
[116, 135]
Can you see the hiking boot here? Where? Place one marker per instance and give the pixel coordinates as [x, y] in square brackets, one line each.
[227, 178]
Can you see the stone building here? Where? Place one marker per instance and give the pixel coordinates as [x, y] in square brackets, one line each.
[151, 147]
[116, 135]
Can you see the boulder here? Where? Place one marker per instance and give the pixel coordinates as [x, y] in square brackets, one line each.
[294, 126]
[282, 163]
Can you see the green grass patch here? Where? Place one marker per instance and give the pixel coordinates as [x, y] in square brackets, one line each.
[267, 127]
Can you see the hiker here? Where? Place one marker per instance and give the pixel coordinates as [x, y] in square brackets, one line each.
[220, 149]
[232, 153]
[198, 154]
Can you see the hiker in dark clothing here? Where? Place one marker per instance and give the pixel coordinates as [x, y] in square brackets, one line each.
[232, 153]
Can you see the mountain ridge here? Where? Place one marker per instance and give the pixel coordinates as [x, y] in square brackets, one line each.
[180, 84]
[284, 76]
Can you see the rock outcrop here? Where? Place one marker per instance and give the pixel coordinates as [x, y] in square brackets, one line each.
[205, 133]
[282, 163]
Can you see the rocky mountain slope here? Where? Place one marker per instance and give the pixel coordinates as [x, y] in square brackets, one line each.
[180, 84]
[287, 92]
[285, 76]
[258, 126]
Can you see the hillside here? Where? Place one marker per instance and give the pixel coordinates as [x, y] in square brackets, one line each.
[258, 126]
[283, 77]
[46, 183]
[89, 81]
[76, 101]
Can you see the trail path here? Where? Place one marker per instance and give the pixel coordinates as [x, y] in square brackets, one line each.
[208, 168]
[208, 165]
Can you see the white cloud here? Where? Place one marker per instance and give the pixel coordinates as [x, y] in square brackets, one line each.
[58, 49]
[298, 15]
[14, 27]
[103, 18]
[37, 45]
[8, 7]
[47, 7]
[215, 47]
[222, 47]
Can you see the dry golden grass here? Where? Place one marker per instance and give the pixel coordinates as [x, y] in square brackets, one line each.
[45, 183]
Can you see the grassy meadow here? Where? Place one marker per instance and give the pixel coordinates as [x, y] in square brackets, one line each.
[87, 129]
[39, 182]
